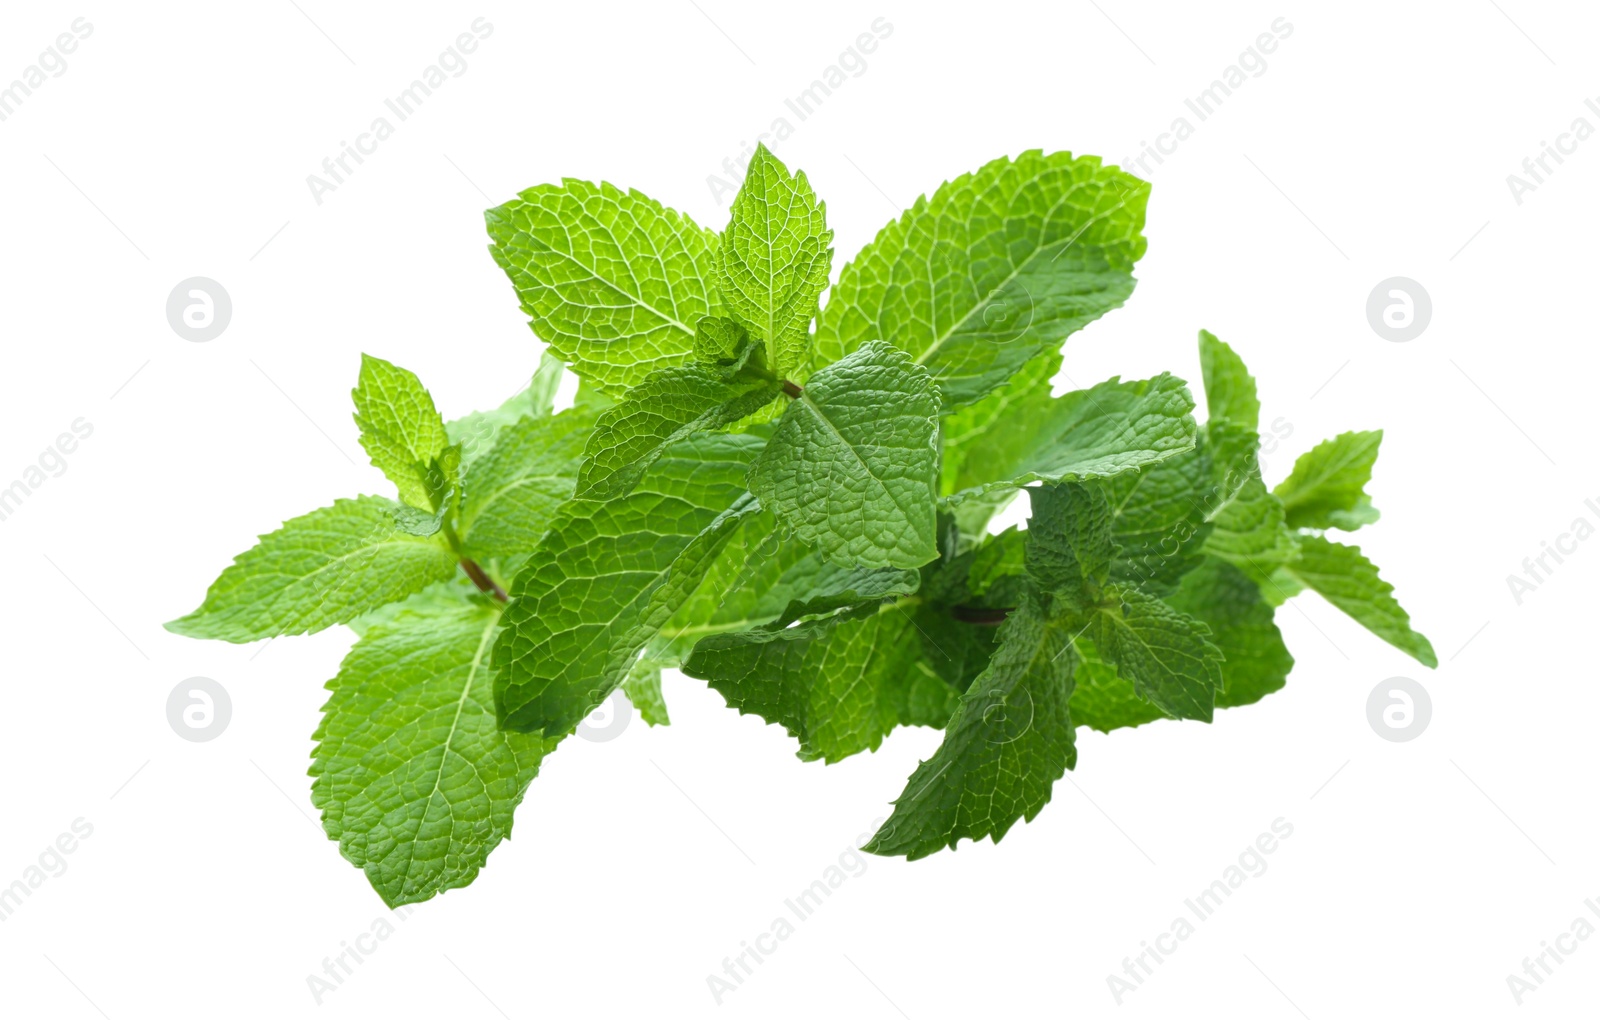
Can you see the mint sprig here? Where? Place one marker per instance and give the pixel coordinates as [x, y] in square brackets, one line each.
[791, 501]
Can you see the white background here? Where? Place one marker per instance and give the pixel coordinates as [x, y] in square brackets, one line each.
[1375, 144]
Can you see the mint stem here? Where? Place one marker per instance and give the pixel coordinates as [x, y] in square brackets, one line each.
[792, 390]
[484, 582]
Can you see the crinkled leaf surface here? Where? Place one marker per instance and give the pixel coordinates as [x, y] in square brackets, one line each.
[613, 281]
[997, 266]
[326, 567]
[1255, 661]
[670, 405]
[513, 492]
[1167, 656]
[608, 575]
[837, 684]
[412, 776]
[1008, 742]
[773, 261]
[852, 463]
[400, 429]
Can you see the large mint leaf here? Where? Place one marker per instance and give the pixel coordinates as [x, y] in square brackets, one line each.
[412, 776]
[1094, 433]
[1230, 389]
[326, 567]
[1327, 488]
[608, 575]
[852, 464]
[400, 429]
[838, 684]
[773, 261]
[1008, 742]
[1255, 661]
[513, 492]
[996, 267]
[669, 406]
[1167, 656]
[1340, 574]
[613, 281]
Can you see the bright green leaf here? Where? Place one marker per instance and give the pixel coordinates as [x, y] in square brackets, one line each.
[613, 281]
[1094, 433]
[852, 464]
[1327, 488]
[513, 491]
[998, 266]
[773, 261]
[643, 688]
[1230, 389]
[412, 776]
[1340, 574]
[326, 567]
[608, 575]
[668, 407]
[400, 429]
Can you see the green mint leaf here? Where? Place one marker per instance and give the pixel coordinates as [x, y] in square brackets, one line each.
[612, 281]
[760, 578]
[996, 267]
[1230, 389]
[1094, 433]
[326, 567]
[401, 430]
[1008, 742]
[773, 261]
[971, 430]
[476, 433]
[671, 405]
[643, 688]
[1167, 656]
[412, 777]
[1327, 488]
[608, 575]
[838, 685]
[1247, 521]
[1340, 574]
[513, 492]
[1255, 661]
[1069, 546]
[1158, 519]
[852, 463]
[1102, 700]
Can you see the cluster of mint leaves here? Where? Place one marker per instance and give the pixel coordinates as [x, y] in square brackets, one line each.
[793, 505]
